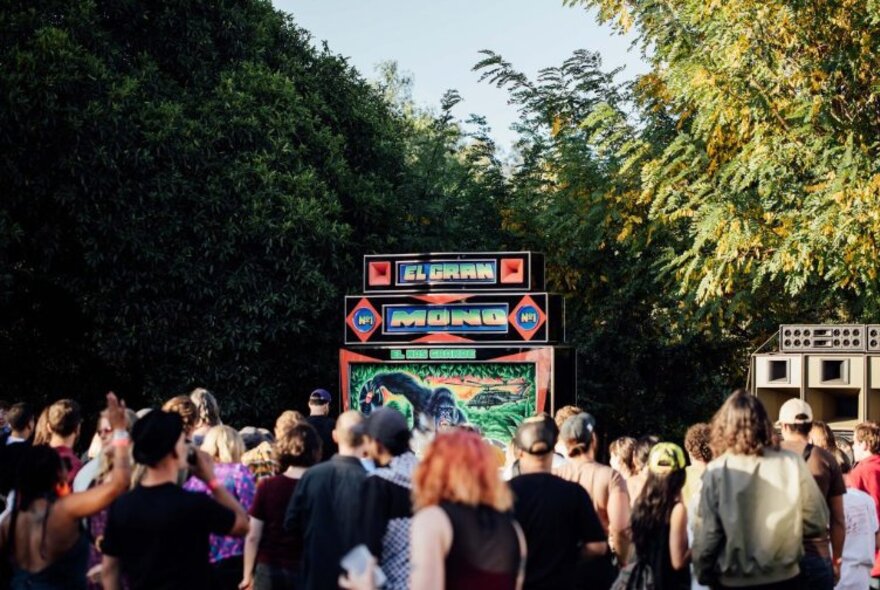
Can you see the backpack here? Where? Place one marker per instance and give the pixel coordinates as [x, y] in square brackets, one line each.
[638, 575]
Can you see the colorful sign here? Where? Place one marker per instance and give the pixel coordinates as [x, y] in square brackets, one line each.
[490, 388]
[491, 271]
[454, 318]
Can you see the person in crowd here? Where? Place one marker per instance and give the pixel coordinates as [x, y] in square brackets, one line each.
[261, 459]
[862, 537]
[157, 534]
[865, 476]
[21, 423]
[846, 452]
[640, 461]
[326, 506]
[21, 420]
[698, 444]
[103, 470]
[207, 413]
[757, 505]
[88, 473]
[5, 428]
[817, 569]
[557, 516]
[386, 494]
[823, 437]
[42, 537]
[620, 456]
[254, 436]
[225, 447]
[184, 407]
[319, 417]
[64, 423]
[272, 555]
[659, 521]
[463, 534]
[609, 494]
[42, 434]
[561, 415]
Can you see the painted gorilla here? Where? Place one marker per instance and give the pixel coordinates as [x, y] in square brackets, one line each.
[438, 405]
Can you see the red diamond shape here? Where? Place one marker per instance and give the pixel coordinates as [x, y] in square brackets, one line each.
[363, 320]
[512, 270]
[380, 273]
[527, 318]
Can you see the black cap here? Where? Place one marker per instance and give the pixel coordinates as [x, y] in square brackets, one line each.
[320, 396]
[537, 435]
[579, 429]
[155, 435]
[386, 425]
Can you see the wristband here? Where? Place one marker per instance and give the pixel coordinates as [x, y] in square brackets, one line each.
[213, 484]
[120, 438]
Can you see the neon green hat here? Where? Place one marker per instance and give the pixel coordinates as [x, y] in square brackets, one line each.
[665, 458]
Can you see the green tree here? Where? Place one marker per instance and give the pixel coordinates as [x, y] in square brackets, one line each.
[648, 361]
[188, 191]
[773, 169]
[454, 188]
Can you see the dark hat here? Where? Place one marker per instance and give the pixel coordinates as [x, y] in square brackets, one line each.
[155, 435]
[386, 425]
[536, 435]
[578, 428]
[320, 396]
[253, 436]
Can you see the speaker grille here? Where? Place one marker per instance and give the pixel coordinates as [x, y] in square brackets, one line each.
[873, 337]
[826, 337]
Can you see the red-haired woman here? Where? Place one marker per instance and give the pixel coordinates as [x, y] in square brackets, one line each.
[463, 535]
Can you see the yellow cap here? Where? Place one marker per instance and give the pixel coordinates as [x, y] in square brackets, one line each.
[665, 458]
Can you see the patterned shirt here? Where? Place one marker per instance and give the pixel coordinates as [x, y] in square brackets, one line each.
[236, 478]
[261, 461]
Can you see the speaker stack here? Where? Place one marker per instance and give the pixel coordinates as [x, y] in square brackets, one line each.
[834, 367]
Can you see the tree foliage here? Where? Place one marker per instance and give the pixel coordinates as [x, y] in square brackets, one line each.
[189, 188]
[773, 168]
[575, 197]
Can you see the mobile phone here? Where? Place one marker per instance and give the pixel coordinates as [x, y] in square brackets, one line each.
[355, 563]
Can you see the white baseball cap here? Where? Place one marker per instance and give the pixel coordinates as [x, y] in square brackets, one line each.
[795, 411]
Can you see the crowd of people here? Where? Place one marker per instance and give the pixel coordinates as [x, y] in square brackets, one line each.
[172, 497]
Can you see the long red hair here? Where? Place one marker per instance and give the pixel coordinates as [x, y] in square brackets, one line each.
[459, 466]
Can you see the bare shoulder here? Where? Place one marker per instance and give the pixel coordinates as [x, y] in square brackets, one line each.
[679, 513]
[432, 522]
[432, 518]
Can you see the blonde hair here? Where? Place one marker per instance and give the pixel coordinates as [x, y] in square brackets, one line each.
[106, 454]
[42, 434]
[206, 406]
[287, 420]
[459, 466]
[224, 444]
[186, 409]
[564, 413]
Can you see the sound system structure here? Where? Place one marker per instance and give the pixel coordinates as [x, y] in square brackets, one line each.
[833, 367]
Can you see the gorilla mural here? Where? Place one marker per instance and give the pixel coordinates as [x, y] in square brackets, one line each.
[437, 404]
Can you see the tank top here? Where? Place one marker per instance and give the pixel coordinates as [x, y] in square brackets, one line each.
[485, 551]
[660, 560]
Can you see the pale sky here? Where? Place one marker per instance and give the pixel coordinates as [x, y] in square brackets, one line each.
[438, 43]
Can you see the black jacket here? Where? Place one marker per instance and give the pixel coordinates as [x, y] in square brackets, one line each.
[325, 425]
[325, 509]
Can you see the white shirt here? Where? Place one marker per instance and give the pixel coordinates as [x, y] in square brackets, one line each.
[858, 548]
[12, 439]
[85, 476]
